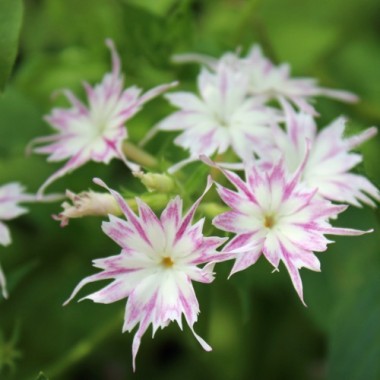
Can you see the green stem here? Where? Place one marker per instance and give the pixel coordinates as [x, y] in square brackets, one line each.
[139, 155]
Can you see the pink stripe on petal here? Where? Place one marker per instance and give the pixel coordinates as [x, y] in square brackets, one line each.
[130, 215]
[243, 243]
[303, 105]
[85, 281]
[307, 260]
[293, 272]
[343, 231]
[342, 95]
[229, 197]
[232, 177]
[190, 214]
[271, 250]
[111, 293]
[354, 141]
[245, 260]
[115, 58]
[231, 221]
[172, 212]
[76, 103]
[146, 214]
[143, 326]
[298, 173]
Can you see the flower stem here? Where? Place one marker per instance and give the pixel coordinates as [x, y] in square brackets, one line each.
[139, 155]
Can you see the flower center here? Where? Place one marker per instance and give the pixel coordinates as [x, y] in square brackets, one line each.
[222, 121]
[167, 262]
[269, 221]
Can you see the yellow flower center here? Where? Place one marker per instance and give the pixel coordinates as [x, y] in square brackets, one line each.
[269, 221]
[167, 262]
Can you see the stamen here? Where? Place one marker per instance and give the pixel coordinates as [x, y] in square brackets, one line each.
[167, 262]
[269, 221]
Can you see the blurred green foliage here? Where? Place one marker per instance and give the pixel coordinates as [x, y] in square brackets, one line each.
[10, 26]
[258, 328]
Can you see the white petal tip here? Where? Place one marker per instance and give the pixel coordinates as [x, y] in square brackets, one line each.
[99, 182]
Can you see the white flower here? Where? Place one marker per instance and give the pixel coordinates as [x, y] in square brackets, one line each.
[330, 160]
[156, 267]
[223, 116]
[94, 132]
[265, 78]
[273, 214]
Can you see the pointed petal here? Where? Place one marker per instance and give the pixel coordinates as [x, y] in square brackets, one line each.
[129, 214]
[189, 216]
[75, 162]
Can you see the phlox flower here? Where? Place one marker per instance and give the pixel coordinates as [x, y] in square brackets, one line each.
[223, 116]
[94, 132]
[273, 214]
[330, 159]
[86, 203]
[11, 195]
[266, 79]
[157, 264]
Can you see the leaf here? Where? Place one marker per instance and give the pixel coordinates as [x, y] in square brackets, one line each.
[10, 25]
[355, 339]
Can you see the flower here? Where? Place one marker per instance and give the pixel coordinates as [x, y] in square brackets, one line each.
[275, 215]
[156, 267]
[10, 195]
[265, 78]
[94, 132]
[87, 203]
[330, 159]
[223, 116]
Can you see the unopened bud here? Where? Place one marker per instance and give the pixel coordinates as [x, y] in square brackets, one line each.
[87, 203]
[156, 182]
[212, 209]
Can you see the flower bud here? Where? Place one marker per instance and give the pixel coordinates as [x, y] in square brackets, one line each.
[87, 203]
[156, 182]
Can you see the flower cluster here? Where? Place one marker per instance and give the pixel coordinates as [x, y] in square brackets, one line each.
[282, 208]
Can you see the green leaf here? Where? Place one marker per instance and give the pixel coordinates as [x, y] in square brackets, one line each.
[355, 340]
[10, 25]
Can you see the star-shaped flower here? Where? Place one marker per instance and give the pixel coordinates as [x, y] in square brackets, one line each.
[11, 195]
[266, 79]
[330, 159]
[94, 132]
[275, 215]
[223, 116]
[156, 267]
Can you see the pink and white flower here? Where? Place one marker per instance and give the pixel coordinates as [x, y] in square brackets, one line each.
[330, 159]
[273, 214]
[223, 116]
[156, 267]
[94, 132]
[266, 79]
[11, 195]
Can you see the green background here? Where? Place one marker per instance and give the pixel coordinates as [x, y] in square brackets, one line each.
[255, 323]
